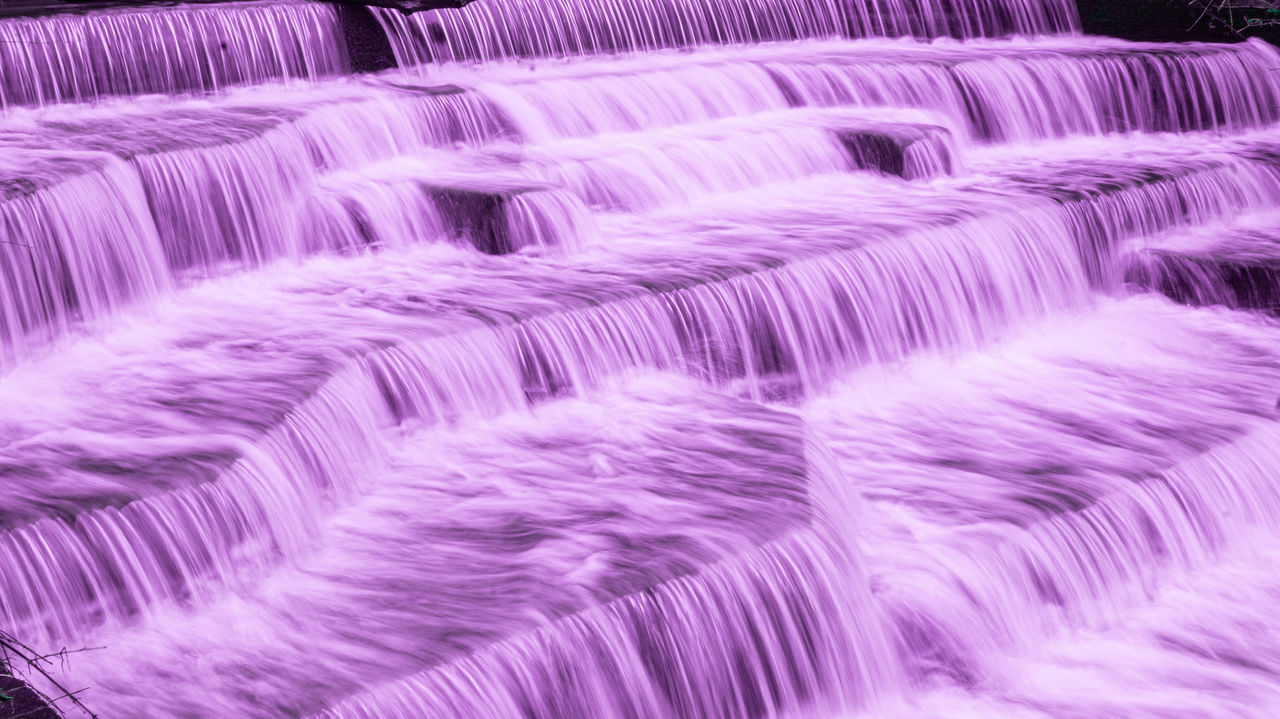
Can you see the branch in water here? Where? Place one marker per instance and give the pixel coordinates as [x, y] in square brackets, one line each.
[13, 651]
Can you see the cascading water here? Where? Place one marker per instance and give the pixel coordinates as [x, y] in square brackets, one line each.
[648, 358]
[531, 28]
[70, 58]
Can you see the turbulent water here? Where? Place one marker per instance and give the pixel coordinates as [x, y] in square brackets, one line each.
[639, 359]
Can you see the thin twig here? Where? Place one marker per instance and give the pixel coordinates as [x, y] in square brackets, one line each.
[1214, 14]
[33, 659]
[1207, 7]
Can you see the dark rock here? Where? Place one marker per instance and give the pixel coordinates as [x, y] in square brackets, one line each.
[907, 151]
[19, 700]
[479, 215]
[499, 217]
[368, 47]
[1204, 279]
[875, 151]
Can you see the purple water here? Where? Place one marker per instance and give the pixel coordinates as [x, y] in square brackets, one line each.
[675, 358]
[77, 57]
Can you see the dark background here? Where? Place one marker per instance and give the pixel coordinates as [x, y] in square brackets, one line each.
[1180, 20]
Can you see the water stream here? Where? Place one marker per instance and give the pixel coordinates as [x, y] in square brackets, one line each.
[642, 358]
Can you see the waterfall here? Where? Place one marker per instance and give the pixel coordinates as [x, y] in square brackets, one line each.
[76, 58]
[78, 241]
[525, 28]
[1057, 90]
[638, 358]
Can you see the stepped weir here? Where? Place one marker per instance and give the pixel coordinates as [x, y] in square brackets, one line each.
[623, 359]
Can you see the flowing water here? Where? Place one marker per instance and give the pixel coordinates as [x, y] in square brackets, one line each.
[640, 358]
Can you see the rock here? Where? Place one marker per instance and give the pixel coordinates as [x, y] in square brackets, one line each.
[907, 151]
